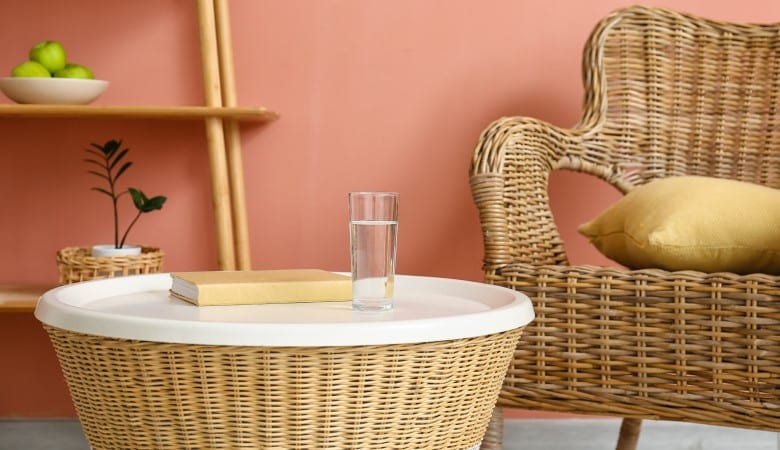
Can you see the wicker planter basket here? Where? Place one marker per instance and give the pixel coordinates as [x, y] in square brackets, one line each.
[77, 264]
[147, 395]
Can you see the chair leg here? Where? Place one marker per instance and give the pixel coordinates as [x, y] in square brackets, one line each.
[629, 434]
[494, 437]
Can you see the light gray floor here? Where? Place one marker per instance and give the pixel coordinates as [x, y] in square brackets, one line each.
[42, 435]
[526, 434]
[601, 434]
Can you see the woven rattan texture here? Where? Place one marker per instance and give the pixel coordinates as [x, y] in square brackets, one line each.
[689, 346]
[147, 395]
[665, 94]
[77, 264]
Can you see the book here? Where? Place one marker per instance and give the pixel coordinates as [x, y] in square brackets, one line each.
[249, 287]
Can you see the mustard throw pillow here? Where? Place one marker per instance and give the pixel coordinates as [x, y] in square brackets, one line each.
[692, 223]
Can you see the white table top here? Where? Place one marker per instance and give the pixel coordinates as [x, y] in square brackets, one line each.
[426, 309]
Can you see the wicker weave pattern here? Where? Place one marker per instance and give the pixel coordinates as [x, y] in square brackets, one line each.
[693, 347]
[146, 395]
[77, 264]
[666, 94]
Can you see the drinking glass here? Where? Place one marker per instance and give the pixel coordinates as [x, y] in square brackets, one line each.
[373, 223]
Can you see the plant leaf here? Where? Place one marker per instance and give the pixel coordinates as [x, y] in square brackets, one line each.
[155, 203]
[103, 176]
[93, 161]
[99, 147]
[143, 203]
[101, 190]
[110, 147]
[122, 170]
[138, 198]
[96, 153]
[118, 158]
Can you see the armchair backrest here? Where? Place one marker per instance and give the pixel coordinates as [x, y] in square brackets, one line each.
[676, 94]
[665, 94]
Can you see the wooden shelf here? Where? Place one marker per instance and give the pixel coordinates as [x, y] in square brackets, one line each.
[221, 116]
[20, 297]
[256, 114]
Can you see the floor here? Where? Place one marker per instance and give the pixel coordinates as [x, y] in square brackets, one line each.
[601, 434]
[590, 434]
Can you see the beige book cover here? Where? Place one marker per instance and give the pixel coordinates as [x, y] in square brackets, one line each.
[247, 287]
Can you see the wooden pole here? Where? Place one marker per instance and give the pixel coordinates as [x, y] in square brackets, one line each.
[215, 137]
[232, 137]
[629, 434]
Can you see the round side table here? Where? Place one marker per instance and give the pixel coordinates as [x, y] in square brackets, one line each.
[148, 371]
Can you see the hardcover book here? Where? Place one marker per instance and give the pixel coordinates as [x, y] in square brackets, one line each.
[249, 287]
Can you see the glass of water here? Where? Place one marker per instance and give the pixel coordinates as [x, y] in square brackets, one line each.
[373, 223]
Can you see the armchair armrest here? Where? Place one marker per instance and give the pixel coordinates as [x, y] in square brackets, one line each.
[510, 172]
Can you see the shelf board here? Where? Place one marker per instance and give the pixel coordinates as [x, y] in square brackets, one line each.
[20, 297]
[254, 114]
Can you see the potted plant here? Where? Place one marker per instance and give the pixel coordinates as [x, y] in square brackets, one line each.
[108, 162]
[110, 166]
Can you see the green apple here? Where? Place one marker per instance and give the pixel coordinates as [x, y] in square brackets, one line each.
[74, 71]
[30, 69]
[50, 54]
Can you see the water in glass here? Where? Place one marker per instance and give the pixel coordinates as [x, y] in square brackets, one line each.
[373, 263]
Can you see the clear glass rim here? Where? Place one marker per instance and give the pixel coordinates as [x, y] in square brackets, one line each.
[375, 193]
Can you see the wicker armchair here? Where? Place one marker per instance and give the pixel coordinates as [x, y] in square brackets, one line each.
[666, 94]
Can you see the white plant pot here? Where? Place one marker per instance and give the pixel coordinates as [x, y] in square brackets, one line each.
[110, 250]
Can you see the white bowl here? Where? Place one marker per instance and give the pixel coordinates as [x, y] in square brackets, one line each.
[66, 91]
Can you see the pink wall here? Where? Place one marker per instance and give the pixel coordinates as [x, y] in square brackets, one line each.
[374, 95]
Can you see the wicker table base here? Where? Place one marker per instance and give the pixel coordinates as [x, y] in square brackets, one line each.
[148, 395]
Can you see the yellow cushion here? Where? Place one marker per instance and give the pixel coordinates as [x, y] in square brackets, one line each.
[692, 223]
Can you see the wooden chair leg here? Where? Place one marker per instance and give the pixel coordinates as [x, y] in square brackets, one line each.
[629, 434]
[494, 437]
